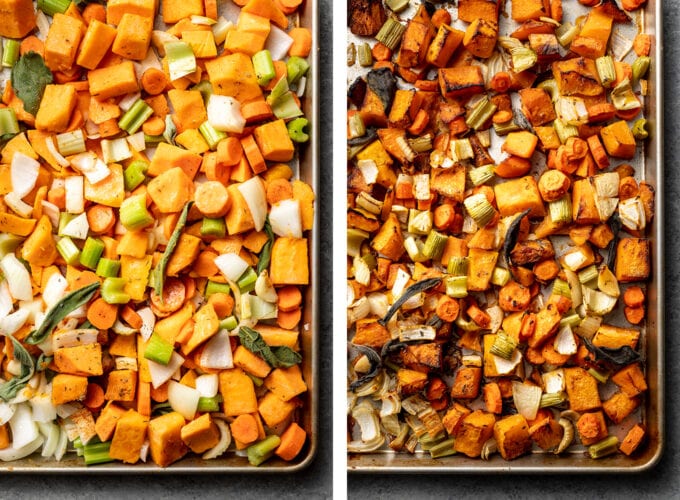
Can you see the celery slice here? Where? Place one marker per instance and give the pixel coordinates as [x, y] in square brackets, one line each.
[181, 59]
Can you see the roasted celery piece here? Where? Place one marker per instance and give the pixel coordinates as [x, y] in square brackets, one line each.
[481, 114]
[365, 55]
[560, 210]
[458, 266]
[434, 245]
[390, 33]
[504, 345]
[607, 446]
[606, 70]
[561, 287]
[479, 208]
[481, 175]
[640, 130]
[640, 67]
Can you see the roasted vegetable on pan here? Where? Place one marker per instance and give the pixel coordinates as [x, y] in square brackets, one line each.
[497, 233]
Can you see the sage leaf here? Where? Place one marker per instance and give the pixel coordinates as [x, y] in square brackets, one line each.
[60, 310]
[30, 76]
[277, 357]
[9, 389]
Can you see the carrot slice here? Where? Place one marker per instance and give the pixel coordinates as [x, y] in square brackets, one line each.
[94, 397]
[244, 428]
[100, 218]
[292, 441]
[289, 298]
[101, 314]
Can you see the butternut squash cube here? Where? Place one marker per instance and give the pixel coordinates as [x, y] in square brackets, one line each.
[136, 272]
[633, 260]
[62, 42]
[461, 82]
[113, 81]
[246, 42]
[129, 437]
[289, 262]
[200, 434]
[165, 439]
[121, 386]
[512, 436]
[110, 191]
[631, 380]
[107, 420]
[370, 333]
[480, 38]
[39, 249]
[239, 219]
[577, 76]
[234, 75]
[189, 108]
[168, 156]
[17, 18]
[581, 389]
[79, 360]
[286, 383]
[56, 106]
[443, 45]
[274, 142]
[480, 269]
[175, 10]
[619, 406]
[618, 140]
[528, 9]
[133, 37]
[206, 325]
[238, 392]
[469, 10]
[415, 43]
[253, 23]
[516, 195]
[97, 40]
[251, 363]
[116, 8]
[475, 430]
[67, 388]
[453, 418]
[274, 336]
[171, 190]
[273, 410]
[202, 42]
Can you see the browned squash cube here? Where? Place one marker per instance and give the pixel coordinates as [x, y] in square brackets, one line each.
[467, 382]
[165, 439]
[414, 44]
[631, 380]
[480, 38]
[389, 241]
[469, 10]
[633, 260]
[461, 82]
[371, 333]
[528, 9]
[581, 389]
[475, 430]
[577, 76]
[410, 381]
[512, 436]
[615, 337]
[516, 195]
[454, 418]
[537, 106]
[619, 406]
[423, 357]
[443, 45]
[546, 433]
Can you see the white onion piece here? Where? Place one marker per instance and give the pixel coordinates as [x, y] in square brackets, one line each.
[24, 174]
[6, 304]
[17, 277]
[207, 385]
[162, 373]
[63, 162]
[136, 141]
[61, 445]
[144, 450]
[67, 409]
[90, 166]
[231, 265]
[256, 198]
[183, 399]
[43, 25]
[223, 444]
[6, 412]
[55, 289]
[122, 329]
[24, 429]
[285, 218]
[73, 338]
[278, 43]
[527, 398]
[217, 352]
[14, 453]
[564, 342]
[264, 287]
[224, 114]
[505, 366]
[78, 227]
[553, 381]
[42, 407]
[12, 322]
[18, 206]
[75, 197]
[127, 101]
[52, 433]
[148, 322]
[52, 212]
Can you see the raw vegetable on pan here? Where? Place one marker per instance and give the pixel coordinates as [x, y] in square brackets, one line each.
[497, 228]
[153, 230]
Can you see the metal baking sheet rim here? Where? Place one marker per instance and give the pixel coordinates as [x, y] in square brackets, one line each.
[309, 166]
[546, 463]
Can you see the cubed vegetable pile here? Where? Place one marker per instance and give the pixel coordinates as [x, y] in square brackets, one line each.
[498, 223]
[154, 242]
